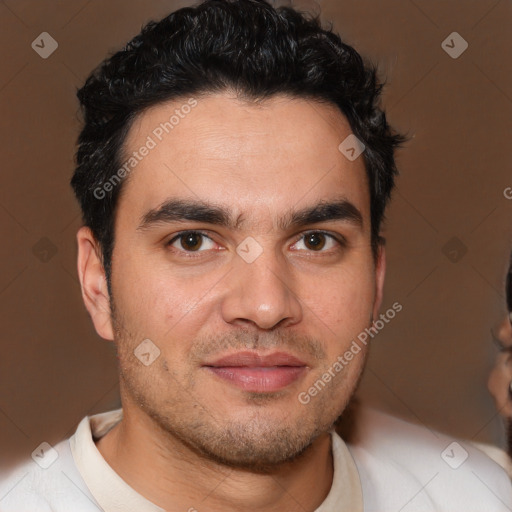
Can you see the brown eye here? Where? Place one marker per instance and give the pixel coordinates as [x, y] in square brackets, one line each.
[315, 241]
[191, 241]
[318, 241]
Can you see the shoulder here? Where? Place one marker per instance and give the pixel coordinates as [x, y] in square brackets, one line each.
[498, 455]
[48, 482]
[412, 467]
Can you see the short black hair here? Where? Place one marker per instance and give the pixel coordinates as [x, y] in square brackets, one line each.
[247, 46]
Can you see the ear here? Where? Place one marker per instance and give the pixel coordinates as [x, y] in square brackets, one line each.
[380, 274]
[93, 282]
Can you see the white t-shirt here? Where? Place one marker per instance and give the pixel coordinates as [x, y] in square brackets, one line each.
[498, 455]
[390, 466]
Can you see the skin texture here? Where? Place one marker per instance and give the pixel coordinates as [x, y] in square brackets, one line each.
[501, 374]
[188, 438]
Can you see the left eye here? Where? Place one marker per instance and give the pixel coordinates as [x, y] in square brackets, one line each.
[191, 241]
[318, 241]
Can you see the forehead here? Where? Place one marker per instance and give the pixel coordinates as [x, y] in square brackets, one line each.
[259, 158]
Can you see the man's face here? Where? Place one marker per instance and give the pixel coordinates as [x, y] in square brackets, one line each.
[266, 286]
[501, 374]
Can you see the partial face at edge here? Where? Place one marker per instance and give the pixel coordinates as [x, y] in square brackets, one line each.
[501, 373]
[307, 290]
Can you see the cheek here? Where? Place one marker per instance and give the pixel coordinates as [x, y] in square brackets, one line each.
[344, 303]
[500, 378]
[149, 293]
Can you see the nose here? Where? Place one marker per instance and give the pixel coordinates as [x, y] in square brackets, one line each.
[261, 293]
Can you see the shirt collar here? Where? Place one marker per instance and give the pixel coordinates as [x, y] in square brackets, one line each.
[113, 494]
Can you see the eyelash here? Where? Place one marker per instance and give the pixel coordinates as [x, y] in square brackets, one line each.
[190, 254]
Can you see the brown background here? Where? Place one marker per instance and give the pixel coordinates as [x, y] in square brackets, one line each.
[429, 365]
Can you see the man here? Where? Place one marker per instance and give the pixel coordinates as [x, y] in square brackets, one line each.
[233, 172]
[500, 378]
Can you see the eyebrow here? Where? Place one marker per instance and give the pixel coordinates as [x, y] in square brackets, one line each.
[180, 210]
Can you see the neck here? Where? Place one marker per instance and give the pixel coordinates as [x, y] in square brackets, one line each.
[171, 475]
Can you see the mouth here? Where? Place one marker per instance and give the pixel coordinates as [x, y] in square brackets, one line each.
[254, 372]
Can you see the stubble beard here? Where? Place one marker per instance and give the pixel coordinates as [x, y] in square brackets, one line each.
[258, 444]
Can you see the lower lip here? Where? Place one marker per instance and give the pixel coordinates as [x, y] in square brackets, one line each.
[259, 379]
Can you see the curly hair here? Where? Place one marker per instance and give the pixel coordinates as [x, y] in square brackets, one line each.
[247, 46]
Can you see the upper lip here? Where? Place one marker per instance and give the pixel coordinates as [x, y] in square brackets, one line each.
[253, 359]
